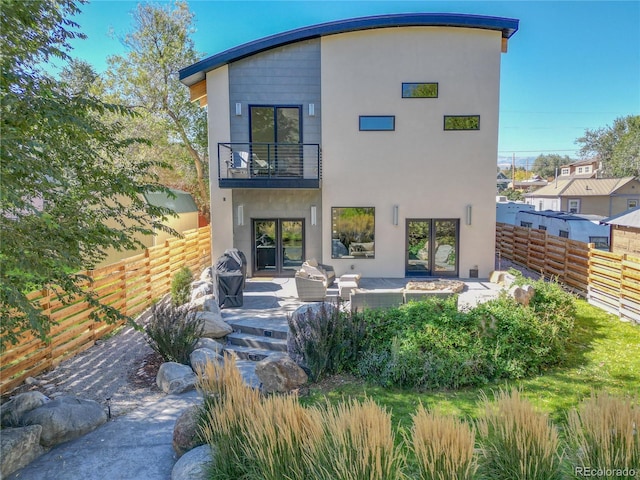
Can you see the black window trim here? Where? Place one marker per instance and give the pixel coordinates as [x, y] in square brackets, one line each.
[420, 83]
[460, 129]
[392, 117]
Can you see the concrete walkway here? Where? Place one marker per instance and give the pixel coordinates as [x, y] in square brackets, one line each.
[138, 445]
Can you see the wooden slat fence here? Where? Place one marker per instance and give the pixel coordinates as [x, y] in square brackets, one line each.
[614, 284]
[610, 281]
[129, 285]
[565, 260]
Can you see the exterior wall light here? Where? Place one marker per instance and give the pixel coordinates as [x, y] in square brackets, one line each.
[240, 215]
[314, 215]
[396, 214]
[468, 215]
[238, 109]
[312, 110]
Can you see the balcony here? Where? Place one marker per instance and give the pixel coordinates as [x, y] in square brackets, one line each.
[269, 165]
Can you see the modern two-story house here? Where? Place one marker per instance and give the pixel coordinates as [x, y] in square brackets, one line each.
[369, 144]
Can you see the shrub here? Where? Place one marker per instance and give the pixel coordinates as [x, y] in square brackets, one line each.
[173, 332]
[517, 442]
[181, 286]
[603, 433]
[443, 446]
[326, 341]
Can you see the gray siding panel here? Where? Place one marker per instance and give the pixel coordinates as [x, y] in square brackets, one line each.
[288, 75]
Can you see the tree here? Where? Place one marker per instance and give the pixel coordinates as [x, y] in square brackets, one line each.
[617, 147]
[147, 78]
[546, 165]
[64, 177]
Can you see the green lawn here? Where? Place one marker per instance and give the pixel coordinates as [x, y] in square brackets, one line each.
[604, 354]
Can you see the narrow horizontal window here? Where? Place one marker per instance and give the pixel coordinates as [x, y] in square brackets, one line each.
[419, 90]
[462, 122]
[377, 122]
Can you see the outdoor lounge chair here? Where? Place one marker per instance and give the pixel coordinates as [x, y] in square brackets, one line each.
[310, 289]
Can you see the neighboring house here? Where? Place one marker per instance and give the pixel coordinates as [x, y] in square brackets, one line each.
[529, 185]
[581, 169]
[344, 142]
[583, 228]
[502, 181]
[595, 196]
[625, 232]
[186, 218]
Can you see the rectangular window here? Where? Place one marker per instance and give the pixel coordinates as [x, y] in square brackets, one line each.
[542, 227]
[587, 169]
[564, 234]
[574, 205]
[565, 171]
[462, 122]
[601, 243]
[419, 90]
[579, 170]
[373, 123]
[526, 224]
[632, 203]
[353, 232]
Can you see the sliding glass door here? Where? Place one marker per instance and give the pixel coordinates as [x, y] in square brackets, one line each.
[432, 247]
[278, 246]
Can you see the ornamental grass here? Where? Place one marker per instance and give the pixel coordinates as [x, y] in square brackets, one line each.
[517, 442]
[603, 432]
[443, 446]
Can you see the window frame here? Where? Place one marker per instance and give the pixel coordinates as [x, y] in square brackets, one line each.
[406, 84]
[336, 236]
[446, 117]
[630, 201]
[577, 203]
[364, 117]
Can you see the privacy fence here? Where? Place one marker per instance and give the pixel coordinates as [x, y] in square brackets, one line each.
[130, 285]
[610, 281]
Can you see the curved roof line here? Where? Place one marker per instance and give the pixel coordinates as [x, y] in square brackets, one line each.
[193, 73]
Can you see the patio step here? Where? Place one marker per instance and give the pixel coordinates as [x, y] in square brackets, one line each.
[257, 342]
[272, 328]
[248, 354]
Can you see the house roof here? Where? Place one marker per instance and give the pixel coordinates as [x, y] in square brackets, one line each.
[179, 202]
[579, 163]
[196, 72]
[553, 189]
[630, 218]
[594, 187]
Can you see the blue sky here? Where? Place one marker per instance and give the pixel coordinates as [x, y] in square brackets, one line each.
[571, 66]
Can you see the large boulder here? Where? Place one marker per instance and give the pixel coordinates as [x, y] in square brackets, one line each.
[210, 344]
[175, 378]
[193, 465]
[18, 448]
[214, 325]
[186, 432]
[199, 289]
[301, 329]
[201, 356]
[206, 303]
[65, 418]
[279, 373]
[12, 411]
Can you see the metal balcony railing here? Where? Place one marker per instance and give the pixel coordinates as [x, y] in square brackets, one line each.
[269, 165]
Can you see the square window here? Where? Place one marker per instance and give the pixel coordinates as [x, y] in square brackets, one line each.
[564, 233]
[353, 232]
[632, 203]
[462, 122]
[420, 90]
[376, 123]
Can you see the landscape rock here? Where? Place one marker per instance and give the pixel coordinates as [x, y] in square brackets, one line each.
[65, 418]
[200, 289]
[279, 373]
[186, 431]
[211, 344]
[206, 303]
[301, 318]
[12, 411]
[193, 465]
[522, 294]
[18, 448]
[207, 275]
[175, 378]
[214, 326]
[201, 356]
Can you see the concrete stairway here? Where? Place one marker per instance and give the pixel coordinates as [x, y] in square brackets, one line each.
[255, 339]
